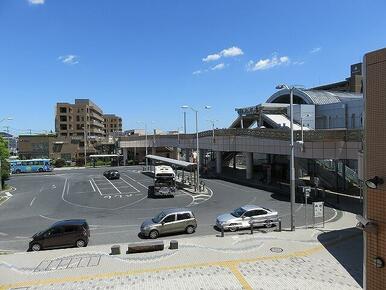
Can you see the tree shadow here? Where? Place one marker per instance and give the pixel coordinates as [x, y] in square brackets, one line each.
[347, 247]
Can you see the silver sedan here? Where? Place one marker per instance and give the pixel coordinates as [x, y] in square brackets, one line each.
[242, 218]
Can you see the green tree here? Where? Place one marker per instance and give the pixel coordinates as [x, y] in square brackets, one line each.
[4, 154]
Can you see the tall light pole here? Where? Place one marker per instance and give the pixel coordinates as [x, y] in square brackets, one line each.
[212, 122]
[197, 144]
[1, 177]
[146, 162]
[292, 159]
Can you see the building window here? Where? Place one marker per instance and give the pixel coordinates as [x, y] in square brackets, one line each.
[63, 110]
[63, 118]
[63, 126]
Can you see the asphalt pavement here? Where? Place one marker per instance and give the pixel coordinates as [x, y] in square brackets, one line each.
[115, 209]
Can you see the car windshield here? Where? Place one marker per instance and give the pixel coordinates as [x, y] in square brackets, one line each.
[159, 217]
[238, 212]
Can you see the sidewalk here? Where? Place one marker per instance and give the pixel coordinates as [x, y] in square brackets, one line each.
[273, 260]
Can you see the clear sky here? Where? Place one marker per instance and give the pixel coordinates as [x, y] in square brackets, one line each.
[143, 59]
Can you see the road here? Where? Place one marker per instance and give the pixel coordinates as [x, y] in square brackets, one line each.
[115, 209]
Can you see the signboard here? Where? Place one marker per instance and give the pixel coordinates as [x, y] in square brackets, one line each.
[318, 209]
[307, 191]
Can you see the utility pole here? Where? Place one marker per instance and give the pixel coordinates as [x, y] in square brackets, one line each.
[184, 122]
[85, 145]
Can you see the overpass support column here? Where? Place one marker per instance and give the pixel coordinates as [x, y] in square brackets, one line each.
[153, 151]
[249, 164]
[124, 156]
[218, 162]
[187, 155]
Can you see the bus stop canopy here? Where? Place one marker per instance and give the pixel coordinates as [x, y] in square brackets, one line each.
[179, 163]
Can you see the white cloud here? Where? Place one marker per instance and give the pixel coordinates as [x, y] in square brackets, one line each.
[219, 66]
[232, 51]
[298, 62]
[211, 57]
[264, 64]
[197, 72]
[69, 59]
[315, 49]
[228, 52]
[36, 2]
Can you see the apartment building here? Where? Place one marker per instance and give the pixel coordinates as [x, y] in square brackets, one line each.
[76, 120]
[112, 125]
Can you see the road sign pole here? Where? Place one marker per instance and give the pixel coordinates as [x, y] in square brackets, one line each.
[305, 209]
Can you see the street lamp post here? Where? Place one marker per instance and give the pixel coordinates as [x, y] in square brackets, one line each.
[292, 159]
[146, 162]
[1, 177]
[301, 123]
[197, 144]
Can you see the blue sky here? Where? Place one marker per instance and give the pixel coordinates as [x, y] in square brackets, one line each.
[143, 59]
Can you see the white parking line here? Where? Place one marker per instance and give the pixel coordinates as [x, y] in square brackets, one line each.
[135, 180]
[96, 186]
[130, 185]
[93, 188]
[114, 186]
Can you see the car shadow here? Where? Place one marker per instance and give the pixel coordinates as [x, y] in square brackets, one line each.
[347, 248]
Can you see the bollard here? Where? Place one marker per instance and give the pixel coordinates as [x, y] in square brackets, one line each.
[278, 226]
[115, 250]
[173, 245]
[222, 231]
[251, 228]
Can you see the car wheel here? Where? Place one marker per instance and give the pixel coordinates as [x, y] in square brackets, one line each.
[233, 228]
[40, 170]
[36, 247]
[189, 229]
[268, 224]
[154, 234]
[80, 243]
[18, 171]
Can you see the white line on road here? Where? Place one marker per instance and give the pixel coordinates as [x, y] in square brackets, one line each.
[135, 180]
[3, 234]
[93, 188]
[130, 185]
[113, 185]
[7, 194]
[96, 186]
[64, 188]
[32, 201]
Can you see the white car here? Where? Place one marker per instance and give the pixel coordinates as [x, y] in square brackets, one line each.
[242, 218]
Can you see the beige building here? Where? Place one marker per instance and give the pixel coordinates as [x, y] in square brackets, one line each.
[112, 125]
[50, 146]
[375, 165]
[76, 120]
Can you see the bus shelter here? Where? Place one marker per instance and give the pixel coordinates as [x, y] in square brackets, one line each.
[185, 171]
[105, 157]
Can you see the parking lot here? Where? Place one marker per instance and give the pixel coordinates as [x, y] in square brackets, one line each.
[115, 209]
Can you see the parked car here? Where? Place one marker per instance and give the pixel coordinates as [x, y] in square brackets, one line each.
[65, 233]
[168, 221]
[242, 217]
[112, 174]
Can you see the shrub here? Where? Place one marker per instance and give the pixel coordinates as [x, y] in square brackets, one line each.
[59, 163]
[79, 162]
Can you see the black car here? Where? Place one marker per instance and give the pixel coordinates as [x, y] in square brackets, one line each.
[67, 233]
[112, 174]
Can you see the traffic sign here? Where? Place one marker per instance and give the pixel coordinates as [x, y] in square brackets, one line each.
[318, 209]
